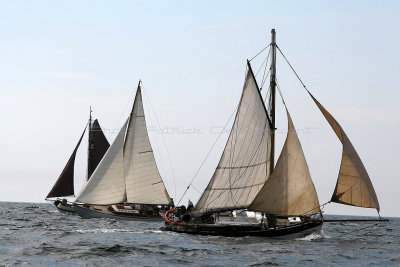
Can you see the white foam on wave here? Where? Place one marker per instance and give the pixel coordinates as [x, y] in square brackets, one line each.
[104, 230]
[314, 236]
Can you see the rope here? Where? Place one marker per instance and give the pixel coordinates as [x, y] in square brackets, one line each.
[259, 52]
[287, 61]
[208, 154]
[165, 142]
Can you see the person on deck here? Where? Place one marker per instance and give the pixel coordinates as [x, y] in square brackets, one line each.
[187, 217]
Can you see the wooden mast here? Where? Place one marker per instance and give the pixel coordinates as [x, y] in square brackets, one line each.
[273, 93]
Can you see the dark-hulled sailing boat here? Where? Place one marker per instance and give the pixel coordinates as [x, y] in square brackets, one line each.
[247, 182]
[64, 186]
[126, 184]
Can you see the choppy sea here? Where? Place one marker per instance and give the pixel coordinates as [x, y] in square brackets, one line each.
[37, 234]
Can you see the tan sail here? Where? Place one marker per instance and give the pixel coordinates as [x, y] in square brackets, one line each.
[143, 180]
[353, 186]
[244, 165]
[289, 190]
[107, 183]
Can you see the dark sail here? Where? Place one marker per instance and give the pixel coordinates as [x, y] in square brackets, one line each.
[98, 146]
[65, 183]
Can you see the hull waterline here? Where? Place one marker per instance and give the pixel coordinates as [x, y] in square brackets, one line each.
[103, 212]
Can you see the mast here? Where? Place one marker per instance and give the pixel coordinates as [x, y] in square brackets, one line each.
[89, 143]
[273, 91]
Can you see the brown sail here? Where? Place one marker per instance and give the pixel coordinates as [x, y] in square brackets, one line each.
[353, 185]
[98, 146]
[64, 186]
[289, 190]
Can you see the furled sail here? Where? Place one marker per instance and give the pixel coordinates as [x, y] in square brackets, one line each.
[143, 180]
[244, 165]
[107, 183]
[353, 185]
[97, 147]
[64, 185]
[289, 190]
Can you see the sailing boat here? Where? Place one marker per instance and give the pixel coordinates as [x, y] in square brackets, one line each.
[281, 197]
[126, 184]
[64, 186]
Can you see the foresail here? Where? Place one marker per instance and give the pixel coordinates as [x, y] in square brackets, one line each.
[97, 148]
[107, 183]
[289, 190]
[353, 185]
[244, 165]
[64, 185]
[143, 180]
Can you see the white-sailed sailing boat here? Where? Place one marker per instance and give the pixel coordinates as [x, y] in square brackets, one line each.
[126, 184]
[246, 178]
[64, 186]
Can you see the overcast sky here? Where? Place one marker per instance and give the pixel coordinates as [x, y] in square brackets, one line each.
[59, 57]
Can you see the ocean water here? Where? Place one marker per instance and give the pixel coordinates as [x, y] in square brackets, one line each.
[39, 235]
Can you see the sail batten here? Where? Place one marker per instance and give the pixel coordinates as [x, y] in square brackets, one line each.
[353, 187]
[64, 185]
[289, 190]
[244, 164]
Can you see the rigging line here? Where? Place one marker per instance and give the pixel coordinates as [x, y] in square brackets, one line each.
[287, 61]
[260, 52]
[280, 92]
[320, 207]
[265, 79]
[265, 76]
[133, 94]
[208, 154]
[264, 62]
[155, 137]
[165, 143]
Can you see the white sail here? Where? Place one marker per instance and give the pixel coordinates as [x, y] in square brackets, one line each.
[143, 181]
[289, 190]
[107, 183]
[244, 165]
[353, 187]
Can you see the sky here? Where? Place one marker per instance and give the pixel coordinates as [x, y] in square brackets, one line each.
[57, 58]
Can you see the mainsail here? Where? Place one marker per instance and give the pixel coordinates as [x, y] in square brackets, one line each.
[98, 146]
[245, 163]
[128, 171]
[353, 185]
[289, 190]
[65, 183]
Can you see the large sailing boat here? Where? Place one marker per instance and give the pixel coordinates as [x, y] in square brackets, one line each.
[281, 197]
[127, 183]
[64, 186]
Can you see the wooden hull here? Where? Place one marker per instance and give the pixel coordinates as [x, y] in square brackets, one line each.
[103, 211]
[237, 230]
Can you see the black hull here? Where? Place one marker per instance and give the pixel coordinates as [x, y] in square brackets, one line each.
[239, 230]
